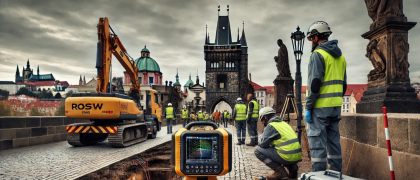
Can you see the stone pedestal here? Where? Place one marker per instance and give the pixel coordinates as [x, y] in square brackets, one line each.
[389, 82]
[282, 87]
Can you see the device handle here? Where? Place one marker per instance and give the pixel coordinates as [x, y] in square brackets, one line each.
[332, 172]
[188, 127]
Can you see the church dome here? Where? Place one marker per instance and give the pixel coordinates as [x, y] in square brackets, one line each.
[146, 63]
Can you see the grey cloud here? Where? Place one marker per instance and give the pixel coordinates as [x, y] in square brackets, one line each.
[174, 32]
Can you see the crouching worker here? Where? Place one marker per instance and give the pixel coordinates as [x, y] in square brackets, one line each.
[279, 147]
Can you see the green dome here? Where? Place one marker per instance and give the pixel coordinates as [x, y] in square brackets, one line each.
[177, 83]
[147, 64]
[188, 83]
[145, 49]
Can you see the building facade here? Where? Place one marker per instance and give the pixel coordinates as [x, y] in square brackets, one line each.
[260, 94]
[226, 65]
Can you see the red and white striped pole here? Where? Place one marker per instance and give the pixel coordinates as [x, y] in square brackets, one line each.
[388, 144]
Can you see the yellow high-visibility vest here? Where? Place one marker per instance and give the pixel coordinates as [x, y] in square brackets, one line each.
[287, 146]
[185, 113]
[240, 112]
[169, 113]
[331, 92]
[255, 110]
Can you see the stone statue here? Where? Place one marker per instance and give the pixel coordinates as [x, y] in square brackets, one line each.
[374, 53]
[282, 60]
[400, 52]
[381, 11]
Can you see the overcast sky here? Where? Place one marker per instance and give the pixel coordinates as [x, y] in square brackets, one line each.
[61, 36]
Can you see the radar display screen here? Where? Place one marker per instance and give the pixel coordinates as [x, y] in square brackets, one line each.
[201, 149]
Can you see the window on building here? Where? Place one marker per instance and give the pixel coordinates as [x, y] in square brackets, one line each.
[344, 99]
[344, 106]
[270, 95]
[151, 80]
[348, 106]
[348, 99]
[221, 80]
[262, 102]
[257, 94]
[262, 94]
[197, 94]
[141, 80]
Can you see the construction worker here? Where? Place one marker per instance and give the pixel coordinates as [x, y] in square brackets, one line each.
[200, 116]
[252, 119]
[229, 116]
[184, 116]
[169, 115]
[217, 117]
[225, 118]
[239, 114]
[326, 87]
[193, 118]
[206, 116]
[279, 146]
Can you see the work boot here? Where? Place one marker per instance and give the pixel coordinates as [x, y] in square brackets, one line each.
[239, 142]
[279, 172]
[252, 142]
[293, 170]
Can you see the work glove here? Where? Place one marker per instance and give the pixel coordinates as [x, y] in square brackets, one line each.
[308, 118]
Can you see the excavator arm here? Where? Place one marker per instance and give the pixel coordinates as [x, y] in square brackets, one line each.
[109, 44]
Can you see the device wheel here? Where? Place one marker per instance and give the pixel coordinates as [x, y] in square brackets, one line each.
[154, 131]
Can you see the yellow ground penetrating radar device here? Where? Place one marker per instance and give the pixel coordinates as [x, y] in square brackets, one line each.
[201, 154]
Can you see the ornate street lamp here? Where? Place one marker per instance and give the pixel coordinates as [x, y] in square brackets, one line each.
[298, 39]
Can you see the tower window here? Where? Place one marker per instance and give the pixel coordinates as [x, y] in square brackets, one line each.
[150, 80]
[221, 80]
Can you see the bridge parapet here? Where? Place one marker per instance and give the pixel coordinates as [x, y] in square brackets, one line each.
[18, 132]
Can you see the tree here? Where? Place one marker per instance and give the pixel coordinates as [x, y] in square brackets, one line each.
[5, 109]
[61, 110]
[26, 91]
[58, 95]
[35, 112]
[68, 94]
[4, 93]
[50, 94]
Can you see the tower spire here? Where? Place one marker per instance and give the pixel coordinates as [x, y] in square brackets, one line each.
[37, 71]
[237, 40]
[243, 39]
[197, 81]
[206, 42]
[17, 70]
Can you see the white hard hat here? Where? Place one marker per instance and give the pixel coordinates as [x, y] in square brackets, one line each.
[199, 111]
[169, 104]
[239, 99]
[319, 27]
[265, 111]
[185, 107]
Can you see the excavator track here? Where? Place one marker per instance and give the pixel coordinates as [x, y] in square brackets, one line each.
[128, 134]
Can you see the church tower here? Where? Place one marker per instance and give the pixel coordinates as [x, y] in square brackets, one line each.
[226, 65]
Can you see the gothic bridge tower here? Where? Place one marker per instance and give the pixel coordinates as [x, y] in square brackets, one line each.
[226, 65]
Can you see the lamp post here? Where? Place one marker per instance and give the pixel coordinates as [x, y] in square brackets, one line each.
[298, 39]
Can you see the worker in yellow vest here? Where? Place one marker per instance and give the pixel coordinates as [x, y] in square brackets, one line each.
[327, 83]
[170, 116]
[279, 147]
[225, 119]
[206, 116]
[252, 119]
[200, 116]
[184, 116]
[239, 114]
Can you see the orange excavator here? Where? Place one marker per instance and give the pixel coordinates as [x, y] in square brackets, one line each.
[118, 117]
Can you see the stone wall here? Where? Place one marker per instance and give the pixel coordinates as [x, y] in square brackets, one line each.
[28, 131]
[370, 155]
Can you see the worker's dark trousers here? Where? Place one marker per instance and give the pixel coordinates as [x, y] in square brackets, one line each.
[324, 138]
[241, 130]
[185, 121]
[252, 128]
[225, 122]
[169, 125]
[270, 157]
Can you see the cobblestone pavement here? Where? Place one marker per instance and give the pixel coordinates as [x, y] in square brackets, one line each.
[62, 161]
[246, 166]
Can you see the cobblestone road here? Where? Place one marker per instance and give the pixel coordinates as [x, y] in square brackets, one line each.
[246, 166]
[62, 161]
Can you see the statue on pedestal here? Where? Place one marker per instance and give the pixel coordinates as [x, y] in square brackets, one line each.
[381, 11]
[282, 60]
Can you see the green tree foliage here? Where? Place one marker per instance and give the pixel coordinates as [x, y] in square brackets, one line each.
[58, 95]
[61, 110]
[46, 94]
[35, 112]
[4, 94]
[5, 109]
[26, 91]
[50, 94]
[68, 94]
